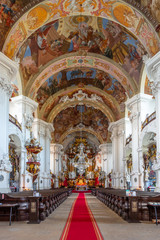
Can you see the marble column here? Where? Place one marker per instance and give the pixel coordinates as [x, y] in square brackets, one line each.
[103, 148]
[118, 144]
[153, 73]
[56, 158]
[138, 109]
[114, 138]
[23, 107]
[121, 145]
[141, 169]
[133, 107]
[8, 70]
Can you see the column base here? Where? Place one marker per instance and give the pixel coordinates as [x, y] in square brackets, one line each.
[134, 181]
[4, 183]
[56, 183]
[5, 190]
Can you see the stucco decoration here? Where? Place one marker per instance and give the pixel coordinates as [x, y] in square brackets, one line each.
[116, 107]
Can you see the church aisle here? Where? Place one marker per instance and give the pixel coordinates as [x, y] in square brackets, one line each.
[110, 224]
[81, 223]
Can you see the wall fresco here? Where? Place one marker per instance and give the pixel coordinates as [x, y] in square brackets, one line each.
[88, 116]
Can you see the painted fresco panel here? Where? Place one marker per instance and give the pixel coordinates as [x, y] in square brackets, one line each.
[81, 77]
[112, 10]
[88, 34]
[88, 116]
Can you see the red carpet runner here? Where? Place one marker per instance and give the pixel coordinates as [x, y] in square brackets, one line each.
[81, 224]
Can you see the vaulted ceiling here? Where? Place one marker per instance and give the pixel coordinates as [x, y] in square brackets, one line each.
[80, 59]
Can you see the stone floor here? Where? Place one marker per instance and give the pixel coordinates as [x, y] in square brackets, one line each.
[111, 225]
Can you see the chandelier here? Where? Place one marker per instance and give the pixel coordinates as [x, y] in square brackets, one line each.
[82, 164]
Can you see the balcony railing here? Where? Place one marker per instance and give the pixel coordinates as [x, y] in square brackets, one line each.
[129, 139]
[15, 122]
[149, 119]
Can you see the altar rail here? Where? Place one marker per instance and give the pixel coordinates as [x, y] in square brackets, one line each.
[149, 119]
[48, 202]
[15, 122]
[129, 208]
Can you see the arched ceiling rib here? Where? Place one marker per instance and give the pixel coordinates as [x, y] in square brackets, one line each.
[92, 140]
[90, 61]
[81, 129]
[97, 105]
[112, 101]
[81, 116]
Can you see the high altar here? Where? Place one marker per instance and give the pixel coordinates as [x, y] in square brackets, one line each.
[81, 184]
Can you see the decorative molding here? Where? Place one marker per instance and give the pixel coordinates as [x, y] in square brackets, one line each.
[15, 122]
[56, 148]
[153, 72]
[6, 86]
[156, 166]
[81, 96]
[5, 164]
[28, 119]
[8, 70]
[148, 120]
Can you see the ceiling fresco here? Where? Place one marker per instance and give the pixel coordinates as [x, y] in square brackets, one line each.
[88, 34]
[48, 11]
[153, 6]
[90, 61]
[8, 9]
[80, 77]
[88, 116]
[80, 59]
[89, 93]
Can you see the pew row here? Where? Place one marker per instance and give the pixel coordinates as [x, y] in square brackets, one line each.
[48, 201]
[130, 208]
